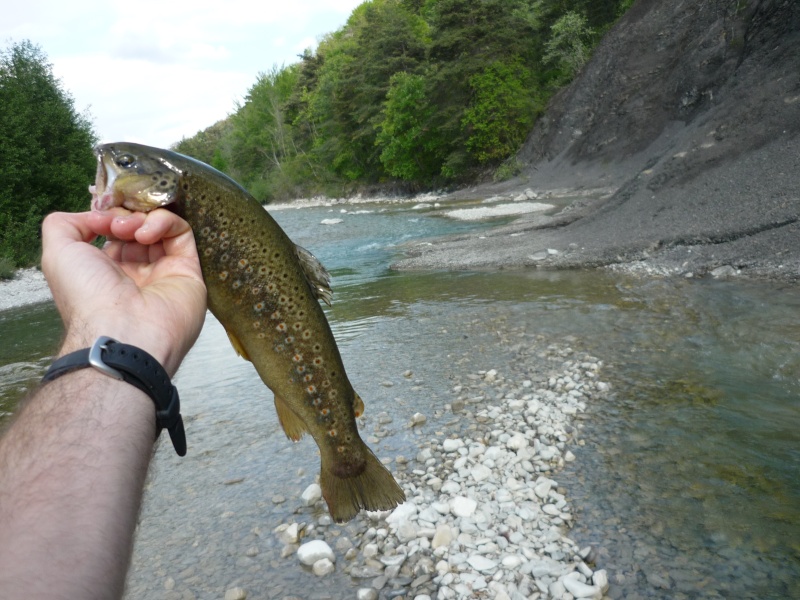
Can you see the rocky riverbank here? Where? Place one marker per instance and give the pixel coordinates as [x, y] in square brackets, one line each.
[485, 516]
[27, 287]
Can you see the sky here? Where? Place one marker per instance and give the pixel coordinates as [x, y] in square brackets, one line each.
[156, 71]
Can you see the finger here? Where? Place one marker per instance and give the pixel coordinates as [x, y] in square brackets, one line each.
[112, 223]
[60, 230]
[161, 224]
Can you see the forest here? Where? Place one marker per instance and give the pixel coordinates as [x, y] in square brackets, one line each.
[407, 95]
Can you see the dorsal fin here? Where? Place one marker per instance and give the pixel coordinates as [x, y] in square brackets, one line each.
[317, 276]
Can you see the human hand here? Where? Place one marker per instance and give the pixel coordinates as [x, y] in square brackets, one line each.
[143, 288]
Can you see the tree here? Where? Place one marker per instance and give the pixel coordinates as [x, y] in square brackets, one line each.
[46, 159]
[501, 112]
[408, 148]
[466, 37]
[569, 45]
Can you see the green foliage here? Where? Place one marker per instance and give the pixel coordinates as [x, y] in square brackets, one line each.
[510, 168]
[408, 147]
[501, 112]
[46, 160]
[568, 46]
[423, 91]
[7, 268]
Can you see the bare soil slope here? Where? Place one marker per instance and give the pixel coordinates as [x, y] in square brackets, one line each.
[691, 112]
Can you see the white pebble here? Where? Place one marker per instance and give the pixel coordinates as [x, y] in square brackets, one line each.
[236, 593]
[463, 507]
[481, 563]
[418, 419]
[442, 537]
[311, 494]
[323, 567]
[367, 594]
[450, 445]
[480, 472]
[581, 590]
[313, 551]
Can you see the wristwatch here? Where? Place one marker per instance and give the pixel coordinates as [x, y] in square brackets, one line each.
[137, 367]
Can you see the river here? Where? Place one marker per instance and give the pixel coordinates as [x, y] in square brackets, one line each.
[689, 483]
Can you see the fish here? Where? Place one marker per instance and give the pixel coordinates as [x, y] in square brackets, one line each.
[266, 292]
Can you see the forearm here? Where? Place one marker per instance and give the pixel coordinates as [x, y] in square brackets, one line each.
[72, 469]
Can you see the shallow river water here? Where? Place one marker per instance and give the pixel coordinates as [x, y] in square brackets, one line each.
[688, 485]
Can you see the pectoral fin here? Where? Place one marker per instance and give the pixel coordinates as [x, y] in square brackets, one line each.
[293, 426]
[237, 345]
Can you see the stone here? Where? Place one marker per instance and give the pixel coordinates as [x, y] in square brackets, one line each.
[370, 550]
[314, 551]
[418, 419]
[517, 442]
[402, 513]
[481, 563]
[367, 594]
[512, 561]
[451, 445]
[480, 473]
[406, 532]
[542, 489]
[311, 495]
[463, 507]
[323, 567]
[581, 590]
[724, 272]
[600, 579]
[236, 593]
[569, 456]
[490, 376]
[289, 534]
[442, 537]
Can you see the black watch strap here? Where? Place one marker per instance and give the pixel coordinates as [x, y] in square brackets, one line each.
[135, 366]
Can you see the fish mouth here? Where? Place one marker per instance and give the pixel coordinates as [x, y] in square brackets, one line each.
[102, 198]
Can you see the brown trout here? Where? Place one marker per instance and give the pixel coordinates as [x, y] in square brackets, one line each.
[265, 291]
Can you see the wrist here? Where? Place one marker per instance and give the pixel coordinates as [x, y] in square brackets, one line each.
[155, 343]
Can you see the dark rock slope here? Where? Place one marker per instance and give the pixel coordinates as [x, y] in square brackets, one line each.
[690, 110]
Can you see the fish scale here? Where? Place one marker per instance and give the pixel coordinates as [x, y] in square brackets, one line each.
[265, 291]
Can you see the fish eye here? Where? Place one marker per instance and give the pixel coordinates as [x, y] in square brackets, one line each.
[126, 161]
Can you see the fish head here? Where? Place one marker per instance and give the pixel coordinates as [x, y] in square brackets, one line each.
[137, 177]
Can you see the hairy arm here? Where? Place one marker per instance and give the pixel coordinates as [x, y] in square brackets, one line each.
[74, 460]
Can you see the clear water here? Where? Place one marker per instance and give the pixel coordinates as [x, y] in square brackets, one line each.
[689, 485]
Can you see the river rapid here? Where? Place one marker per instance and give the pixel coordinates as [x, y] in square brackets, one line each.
[688, 482]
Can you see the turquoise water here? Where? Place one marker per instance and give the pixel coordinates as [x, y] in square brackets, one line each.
[689, 485]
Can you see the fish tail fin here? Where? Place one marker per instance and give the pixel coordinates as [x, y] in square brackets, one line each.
[374, 488]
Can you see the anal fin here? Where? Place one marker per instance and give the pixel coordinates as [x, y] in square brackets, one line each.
[293, 426]
[358, 405]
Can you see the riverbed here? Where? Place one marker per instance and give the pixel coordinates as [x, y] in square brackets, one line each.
[686, 478]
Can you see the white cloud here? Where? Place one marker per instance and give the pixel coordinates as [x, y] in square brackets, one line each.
[156, 71]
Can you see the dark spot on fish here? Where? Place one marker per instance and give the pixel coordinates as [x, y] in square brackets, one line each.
[186, 189]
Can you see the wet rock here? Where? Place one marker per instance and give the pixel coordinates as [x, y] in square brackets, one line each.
[313, 551]
[236, 593]
[311, 495]
[323, 567]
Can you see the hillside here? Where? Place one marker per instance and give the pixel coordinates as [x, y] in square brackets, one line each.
[690, 114]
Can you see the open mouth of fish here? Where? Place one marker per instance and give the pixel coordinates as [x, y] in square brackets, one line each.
[102, 190]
